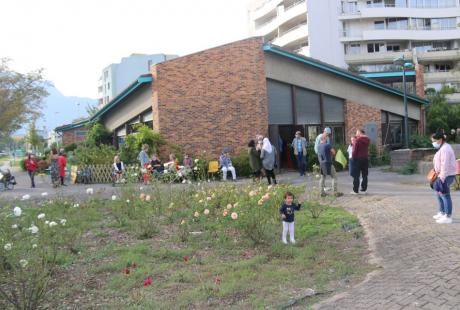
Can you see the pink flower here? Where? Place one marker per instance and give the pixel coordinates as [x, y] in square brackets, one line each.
[148, 282]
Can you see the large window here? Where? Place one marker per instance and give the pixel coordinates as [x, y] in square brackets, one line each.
[375, 47]
[397, 23]
[308, 107]
[279, 103]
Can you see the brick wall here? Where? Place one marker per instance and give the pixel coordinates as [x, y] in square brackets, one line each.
[71, 136]
[357, 115]
[212, 99]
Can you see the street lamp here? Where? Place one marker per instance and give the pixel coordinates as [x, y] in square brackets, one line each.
[401, 62]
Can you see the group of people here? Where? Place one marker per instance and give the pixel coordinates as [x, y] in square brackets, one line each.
[262, 159]
[152, 165]
[58, 163]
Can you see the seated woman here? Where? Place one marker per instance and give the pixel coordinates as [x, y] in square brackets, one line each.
[118, 169]
[173, 163]
[226, 165]
[156, 165]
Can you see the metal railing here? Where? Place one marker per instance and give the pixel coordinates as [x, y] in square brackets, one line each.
[294, 4]
[292, 29]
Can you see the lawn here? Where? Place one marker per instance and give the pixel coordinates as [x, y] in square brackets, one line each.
[187, 247]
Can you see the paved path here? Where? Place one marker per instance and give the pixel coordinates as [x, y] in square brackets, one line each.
[419, 260]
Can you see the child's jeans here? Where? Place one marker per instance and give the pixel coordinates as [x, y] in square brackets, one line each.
[288, 226]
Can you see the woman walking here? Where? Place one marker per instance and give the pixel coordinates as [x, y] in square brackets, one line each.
[444, 164]
[54, 167]
[254, 160]
[268, 156]
[31, 166]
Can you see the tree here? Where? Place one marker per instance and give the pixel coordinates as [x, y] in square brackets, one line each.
[98, 134]
[20, 97]
[33, 138]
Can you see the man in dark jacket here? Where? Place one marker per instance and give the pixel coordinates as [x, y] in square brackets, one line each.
[360, 155]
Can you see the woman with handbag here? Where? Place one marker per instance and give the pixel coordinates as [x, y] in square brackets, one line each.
[444, 165]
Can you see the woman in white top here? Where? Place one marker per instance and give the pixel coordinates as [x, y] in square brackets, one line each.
[350, 157]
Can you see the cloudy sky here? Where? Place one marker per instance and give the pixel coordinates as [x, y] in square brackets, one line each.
[73, 40]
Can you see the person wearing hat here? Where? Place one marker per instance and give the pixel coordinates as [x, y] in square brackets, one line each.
[299, 144]
[327, 136]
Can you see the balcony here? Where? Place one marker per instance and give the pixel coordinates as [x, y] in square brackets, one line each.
[428, 34]
[452, 76]
[296, 9]
[266, 8]
[294, 34]
[375, 58]
[439, 55]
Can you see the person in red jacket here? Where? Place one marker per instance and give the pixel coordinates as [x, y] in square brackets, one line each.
[360, 156]
[62, 163]
[31, 167]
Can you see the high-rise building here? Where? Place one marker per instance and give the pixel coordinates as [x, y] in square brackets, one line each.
[116, 77]
[370, 34]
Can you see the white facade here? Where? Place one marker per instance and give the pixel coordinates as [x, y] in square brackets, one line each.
[367, 34]
[116, 77]
[310, 28]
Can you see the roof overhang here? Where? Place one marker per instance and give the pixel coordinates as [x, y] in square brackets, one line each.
[269, 48]
[141, 80]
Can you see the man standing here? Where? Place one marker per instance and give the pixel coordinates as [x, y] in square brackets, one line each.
[300, 151]
[327, 133]
[360, 155]
[327, 168]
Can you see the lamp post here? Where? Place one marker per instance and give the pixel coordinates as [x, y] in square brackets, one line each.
[404, 65]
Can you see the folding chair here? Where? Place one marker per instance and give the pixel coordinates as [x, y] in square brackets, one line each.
[213, 167]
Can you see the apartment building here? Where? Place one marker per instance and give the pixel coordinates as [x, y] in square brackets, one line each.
[370, 34]
[426, 32]
[117, 76]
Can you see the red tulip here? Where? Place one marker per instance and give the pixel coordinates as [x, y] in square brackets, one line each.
[147, 282]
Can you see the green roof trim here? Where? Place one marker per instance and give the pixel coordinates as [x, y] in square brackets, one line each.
[386, 74]
[339, 71]
[143, 79]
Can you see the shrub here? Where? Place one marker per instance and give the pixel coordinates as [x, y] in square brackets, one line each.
[418, 141]
[88, 154]
[133, 142]
[70, 147]
[241, 164]
[410, 168]
[98, 134]
[22, 164]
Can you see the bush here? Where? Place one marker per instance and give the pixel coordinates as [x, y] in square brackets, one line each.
[419, 141]
[70, 147]
[409, 168]
[87, 154]
[98, 134]
[241, 164]
[22, 164]
[132, 146]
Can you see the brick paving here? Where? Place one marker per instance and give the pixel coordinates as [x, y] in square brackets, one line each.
[419, 260]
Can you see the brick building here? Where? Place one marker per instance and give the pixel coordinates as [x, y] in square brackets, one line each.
[224, 96]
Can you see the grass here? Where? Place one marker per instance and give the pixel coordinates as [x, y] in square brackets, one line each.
[216, 269]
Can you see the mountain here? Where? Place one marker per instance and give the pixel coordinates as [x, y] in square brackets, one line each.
[59, 109]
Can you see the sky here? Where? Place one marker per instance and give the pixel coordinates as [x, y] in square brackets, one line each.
[73, 40]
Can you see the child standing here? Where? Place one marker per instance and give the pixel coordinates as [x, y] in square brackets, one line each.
[287, 214]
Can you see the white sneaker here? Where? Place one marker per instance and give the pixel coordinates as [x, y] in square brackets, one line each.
[327, 189]
[438, 215]
[285, 242]
[444, 220]
[293, 241]
[353, 193]
[363, 192]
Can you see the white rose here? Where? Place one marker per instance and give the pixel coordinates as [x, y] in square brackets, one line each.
[41, 216]
[195, 168]
[76, 205]
[51, 224]
[206, 212]
[23, 263]
[34, 246]
[196, 160]
[14, 226]
[47, 222]
[26, 197]
[147, 198]
[114, 197]
[184, 181]
[127, 200]
[17, 211]
[89, 191]
[8, 246]
[33, 229]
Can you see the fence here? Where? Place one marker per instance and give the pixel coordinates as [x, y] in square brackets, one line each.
[103, 173]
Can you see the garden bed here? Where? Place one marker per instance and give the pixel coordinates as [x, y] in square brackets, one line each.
[165, 247]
